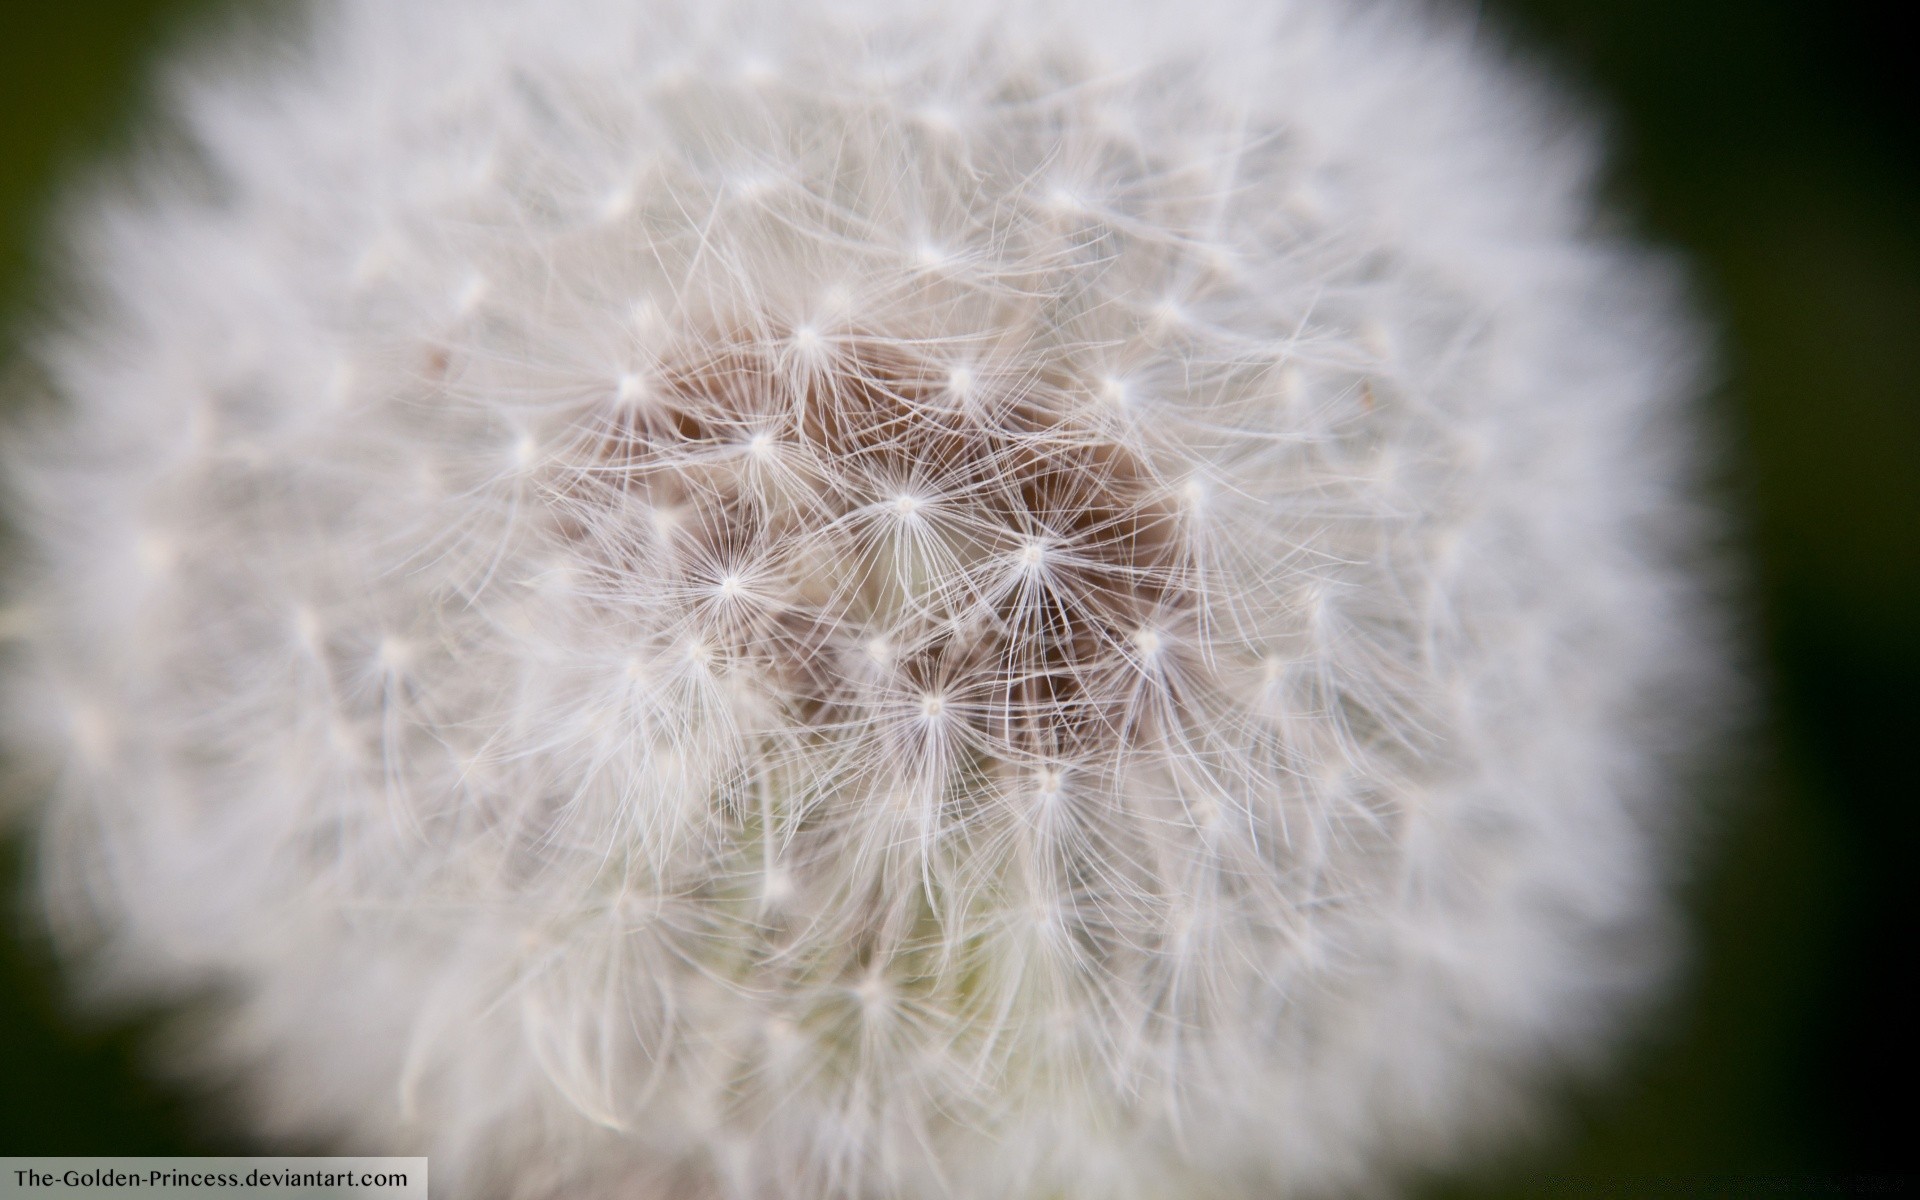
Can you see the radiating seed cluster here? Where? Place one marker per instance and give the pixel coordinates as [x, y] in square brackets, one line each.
[721, 602]
[875, 533]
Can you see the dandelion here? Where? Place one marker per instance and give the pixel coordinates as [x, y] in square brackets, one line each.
[734, 600]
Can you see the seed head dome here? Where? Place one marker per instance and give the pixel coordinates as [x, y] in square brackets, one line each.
[742, 600]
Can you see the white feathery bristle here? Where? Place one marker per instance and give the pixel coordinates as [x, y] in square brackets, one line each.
[725, 599]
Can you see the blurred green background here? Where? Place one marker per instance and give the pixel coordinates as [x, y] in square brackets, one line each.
[1774, 143]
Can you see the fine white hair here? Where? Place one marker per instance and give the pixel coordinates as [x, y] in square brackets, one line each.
[713, 598]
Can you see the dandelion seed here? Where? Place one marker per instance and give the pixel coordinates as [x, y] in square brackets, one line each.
[472, 294]
[395, 655]
[631, 388]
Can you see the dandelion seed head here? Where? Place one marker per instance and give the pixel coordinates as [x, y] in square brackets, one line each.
[1057, 602]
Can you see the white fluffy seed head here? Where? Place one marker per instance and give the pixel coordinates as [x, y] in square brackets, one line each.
[708, 600]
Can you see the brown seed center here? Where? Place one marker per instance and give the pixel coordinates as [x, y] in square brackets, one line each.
[865, 524]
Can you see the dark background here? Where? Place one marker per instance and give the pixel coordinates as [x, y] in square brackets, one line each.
[1774, 144]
